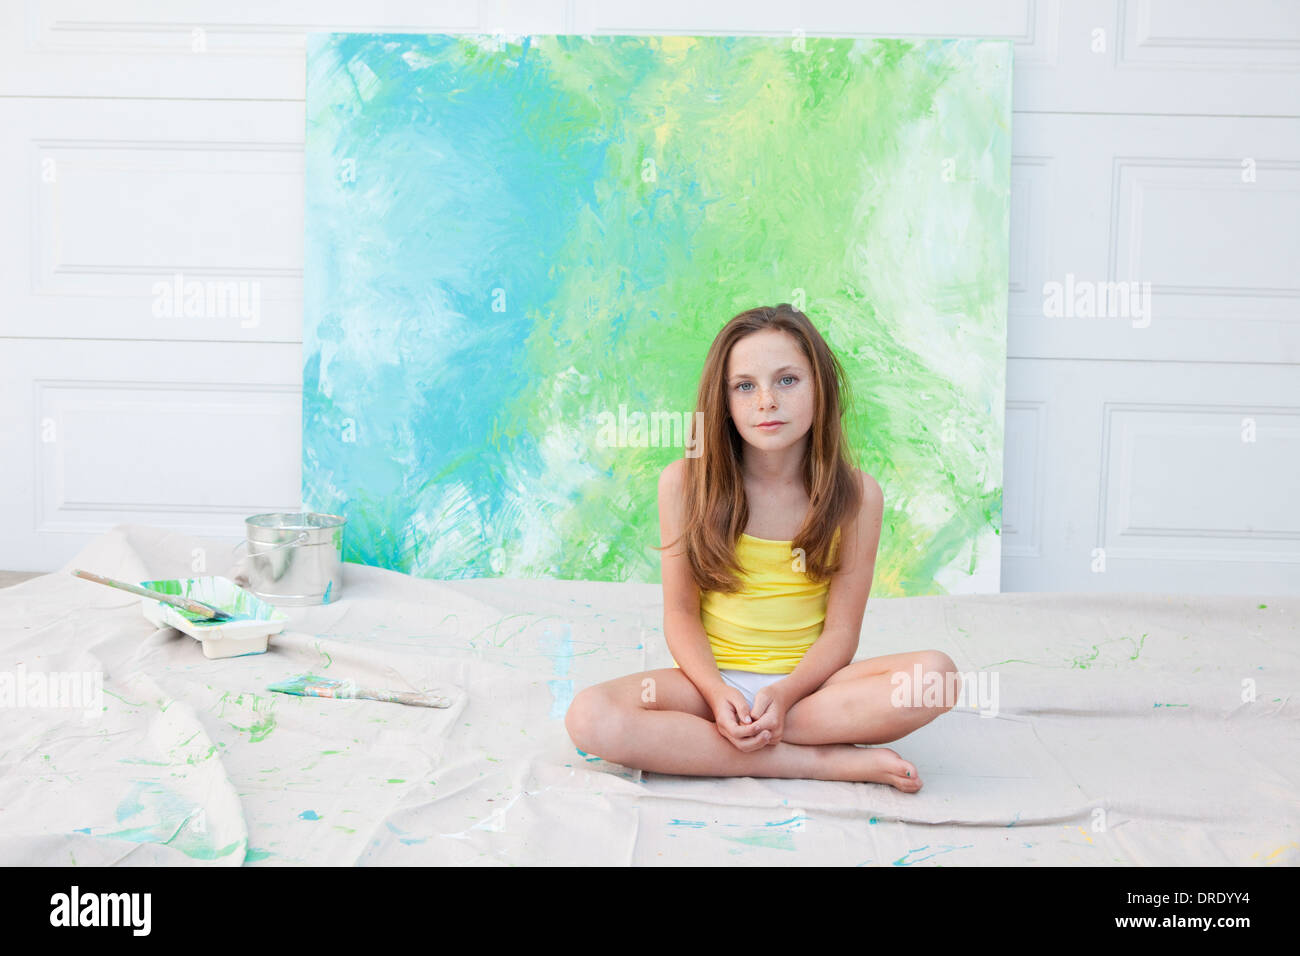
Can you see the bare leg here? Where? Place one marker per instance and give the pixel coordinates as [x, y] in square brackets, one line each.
[857, 704]
[612, 721]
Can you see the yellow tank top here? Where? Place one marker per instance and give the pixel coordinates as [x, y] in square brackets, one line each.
[769, 624]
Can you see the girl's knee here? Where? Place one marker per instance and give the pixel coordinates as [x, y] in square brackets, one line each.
[579, 718]
[591, 719]
[937, 661]
[939, 666]
[952, 684]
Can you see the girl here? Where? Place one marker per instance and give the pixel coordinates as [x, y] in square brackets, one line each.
[763, 682]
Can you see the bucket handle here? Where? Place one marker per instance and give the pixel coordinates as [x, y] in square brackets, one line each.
[301, 537]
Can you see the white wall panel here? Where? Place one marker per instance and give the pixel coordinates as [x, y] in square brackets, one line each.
[1166, 201]
[103, 200]
[1022, 499]
[1158, 465]
[192, 436]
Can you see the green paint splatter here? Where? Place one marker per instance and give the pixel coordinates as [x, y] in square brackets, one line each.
[1085, 661]
[769, 841]
[209, 853]
[178, 823]
[263, 711]
[133, 703]
[261, 729]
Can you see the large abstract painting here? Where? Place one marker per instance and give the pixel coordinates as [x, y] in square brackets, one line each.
[518, 250]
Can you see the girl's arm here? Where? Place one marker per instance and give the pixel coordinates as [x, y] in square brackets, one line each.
[846, 601]
[683, 629]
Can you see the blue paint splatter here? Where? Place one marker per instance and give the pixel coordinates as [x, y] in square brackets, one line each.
[795, 821]
[944, 848]
[131, 803]
[560, 648]
[404, 837]
[308, 815]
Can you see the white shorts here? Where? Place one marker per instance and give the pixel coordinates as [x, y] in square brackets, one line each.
[749, 682]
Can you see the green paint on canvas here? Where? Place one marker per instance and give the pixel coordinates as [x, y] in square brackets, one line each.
[614, 196]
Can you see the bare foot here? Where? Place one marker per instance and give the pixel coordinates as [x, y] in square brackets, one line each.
[878, 765]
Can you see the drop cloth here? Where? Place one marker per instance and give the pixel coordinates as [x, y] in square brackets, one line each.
[1121, 735]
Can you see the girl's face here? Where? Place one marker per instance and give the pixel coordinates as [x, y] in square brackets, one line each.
[768, 380]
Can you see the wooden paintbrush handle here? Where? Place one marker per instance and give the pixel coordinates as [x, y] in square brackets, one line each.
[175, 600]
[413, 698]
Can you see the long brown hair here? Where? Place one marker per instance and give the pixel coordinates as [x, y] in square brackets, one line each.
[715, 508]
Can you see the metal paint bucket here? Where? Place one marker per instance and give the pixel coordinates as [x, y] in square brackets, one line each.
[294, 558]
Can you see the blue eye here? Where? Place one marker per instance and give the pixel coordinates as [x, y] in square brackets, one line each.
[793, 378]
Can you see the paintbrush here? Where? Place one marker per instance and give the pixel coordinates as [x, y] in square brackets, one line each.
[308, 685]
[175, 600]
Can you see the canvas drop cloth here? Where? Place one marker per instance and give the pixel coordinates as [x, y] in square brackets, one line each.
[1121, 736]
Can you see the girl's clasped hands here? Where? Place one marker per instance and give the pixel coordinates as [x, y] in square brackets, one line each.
[749, 729]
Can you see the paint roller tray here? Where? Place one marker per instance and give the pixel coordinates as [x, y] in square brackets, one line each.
[254, 621]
